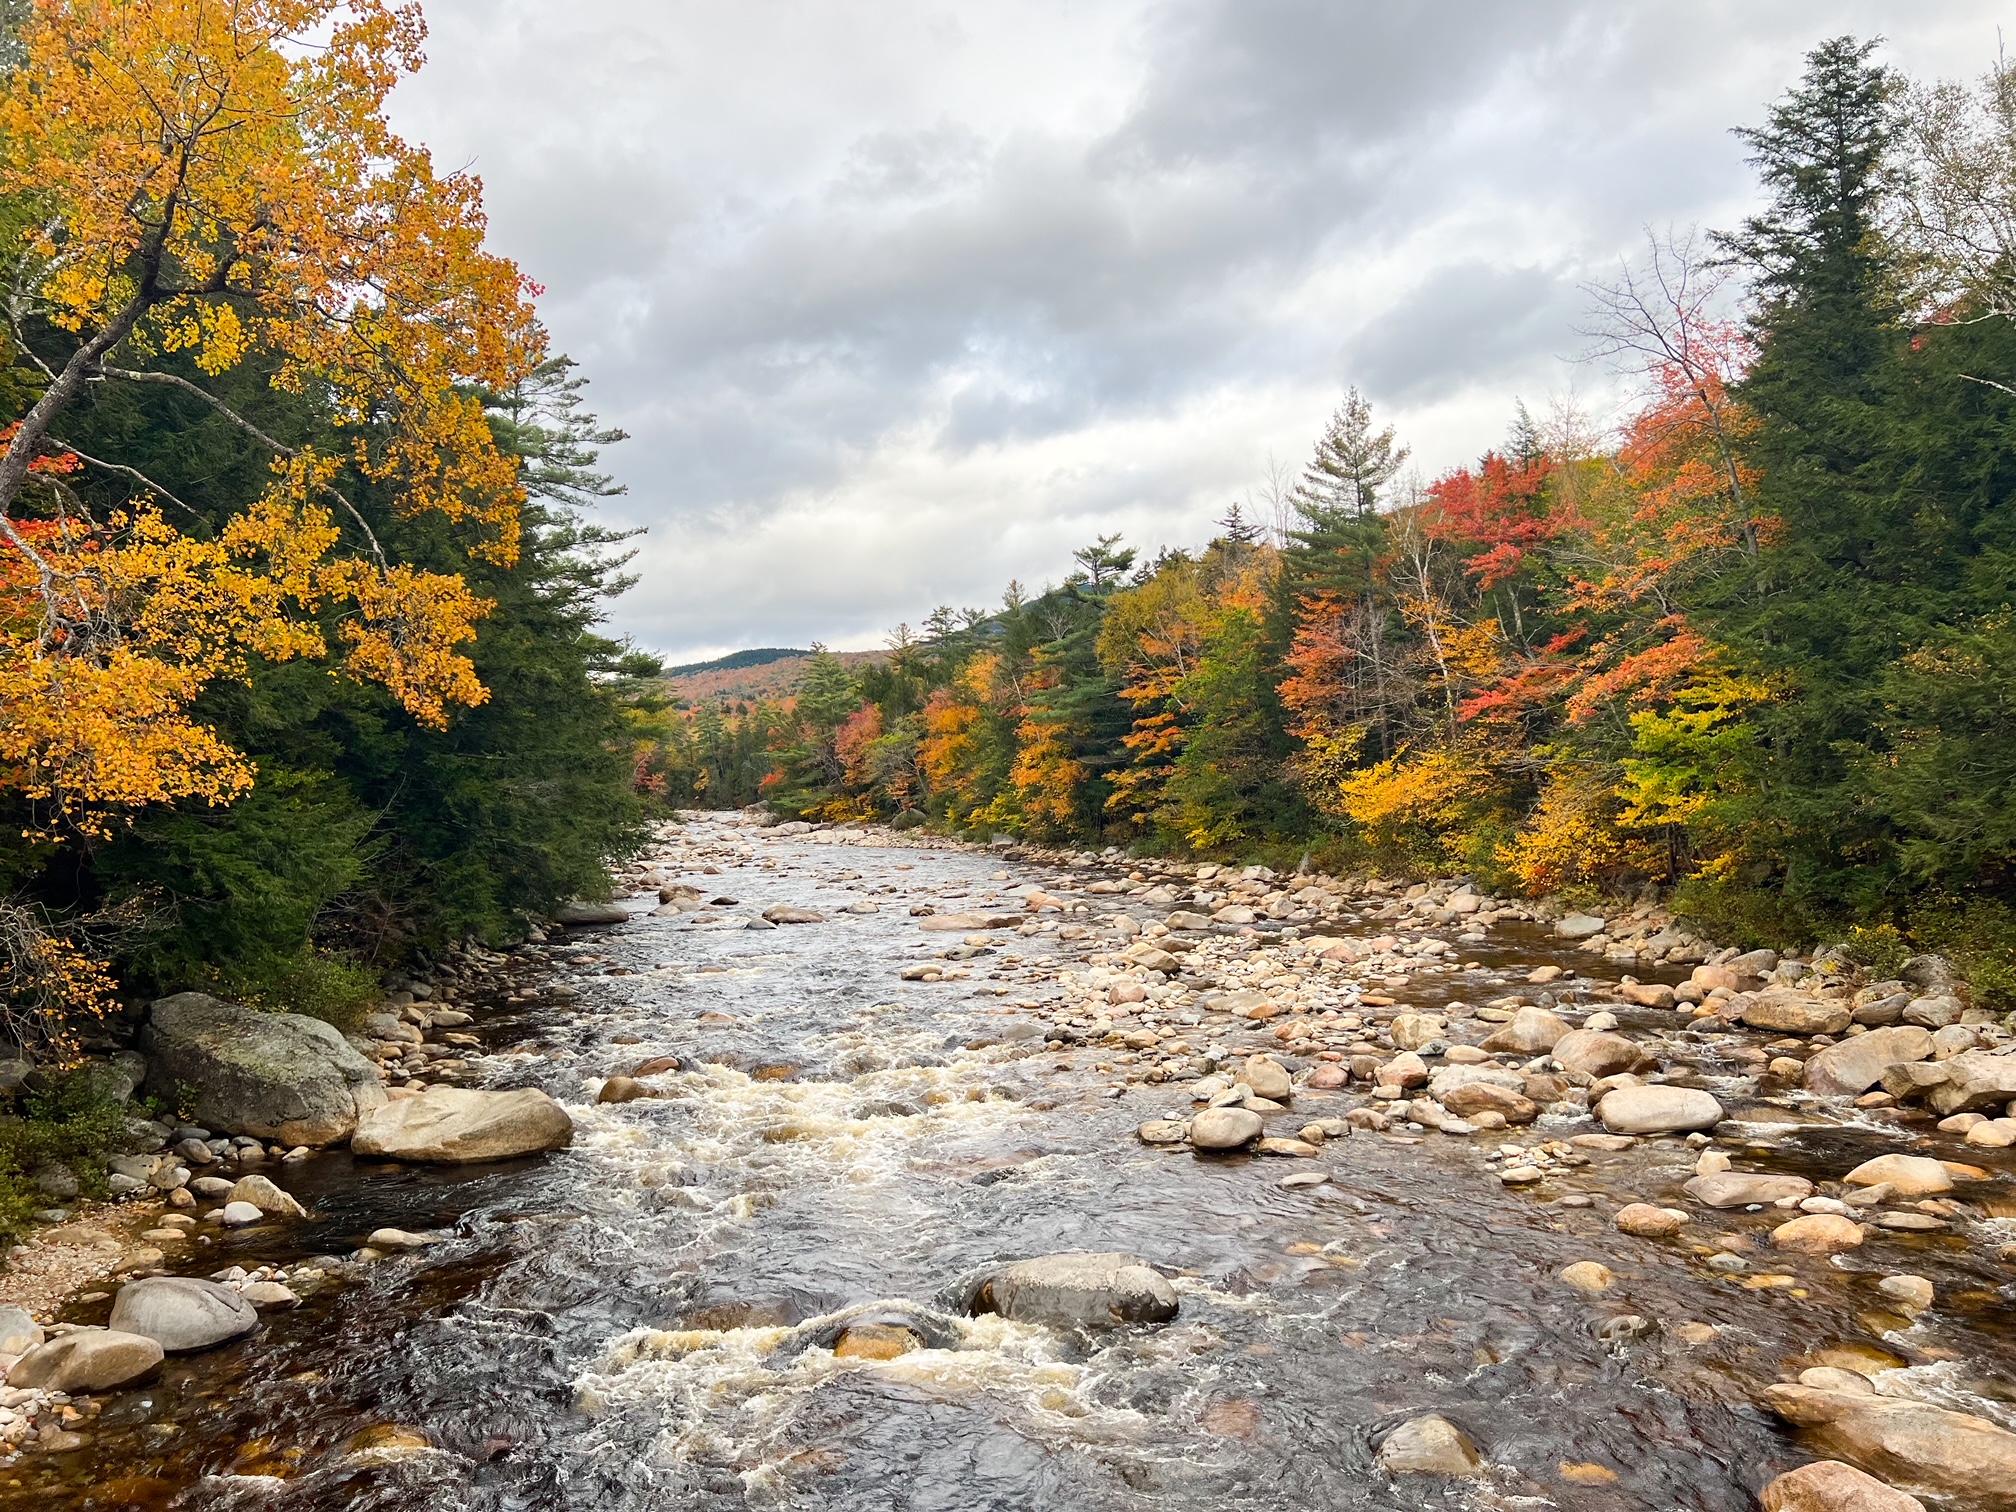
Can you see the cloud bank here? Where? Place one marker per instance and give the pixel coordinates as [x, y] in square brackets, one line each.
[901, 300]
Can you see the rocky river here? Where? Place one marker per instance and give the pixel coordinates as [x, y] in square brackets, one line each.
[1402, 1198]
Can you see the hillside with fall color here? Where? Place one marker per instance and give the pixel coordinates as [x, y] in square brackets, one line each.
[1750, 643]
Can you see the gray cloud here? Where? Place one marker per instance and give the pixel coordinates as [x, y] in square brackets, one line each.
[901, 300]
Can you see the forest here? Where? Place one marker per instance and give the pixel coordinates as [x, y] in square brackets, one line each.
[300, 674]
[1751, 645]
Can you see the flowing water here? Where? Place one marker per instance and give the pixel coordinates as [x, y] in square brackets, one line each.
[645, 1321]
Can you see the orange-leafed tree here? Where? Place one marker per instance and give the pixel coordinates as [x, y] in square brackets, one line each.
[211, 188]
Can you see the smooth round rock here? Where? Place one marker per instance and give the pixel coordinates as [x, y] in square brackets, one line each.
[1658, 1110]
[1224, 1128]
[92, 1359]
[1589, 1276]
[1910, 1175]
[1429, 1445]
[239, 1214]
[1818, 1234]
[182, 1314]
[1831, 1486]
[1649, 1222]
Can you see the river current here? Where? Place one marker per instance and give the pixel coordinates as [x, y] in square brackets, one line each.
[643, 1321]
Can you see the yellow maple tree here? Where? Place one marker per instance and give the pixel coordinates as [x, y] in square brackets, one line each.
[214, 183]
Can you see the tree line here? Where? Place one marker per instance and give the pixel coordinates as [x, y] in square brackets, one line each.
[1753, 644]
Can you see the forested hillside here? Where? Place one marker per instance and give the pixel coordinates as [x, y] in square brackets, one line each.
[1753, 643]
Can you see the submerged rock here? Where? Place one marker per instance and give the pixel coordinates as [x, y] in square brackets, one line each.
[1429, 1445]
[279, 1076]
[1729, 1189]
[1080, 1290]
[459, 1125]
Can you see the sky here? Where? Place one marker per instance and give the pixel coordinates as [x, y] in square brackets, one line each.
[900, 300]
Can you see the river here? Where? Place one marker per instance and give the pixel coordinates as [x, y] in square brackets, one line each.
[635, 1323]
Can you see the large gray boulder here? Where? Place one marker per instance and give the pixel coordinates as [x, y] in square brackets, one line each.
[183, 1314]
[1081, 1290]
[1857, 1064]
[279, 1076]
[459, 1125]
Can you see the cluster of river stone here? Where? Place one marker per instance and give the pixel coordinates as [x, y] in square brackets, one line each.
[1237, 991]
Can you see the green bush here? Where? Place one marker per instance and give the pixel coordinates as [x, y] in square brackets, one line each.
[68, 1121]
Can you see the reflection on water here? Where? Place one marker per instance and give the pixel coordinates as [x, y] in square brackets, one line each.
[649, 1320]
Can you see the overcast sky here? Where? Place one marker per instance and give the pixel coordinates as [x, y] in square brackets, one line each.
[899, 300]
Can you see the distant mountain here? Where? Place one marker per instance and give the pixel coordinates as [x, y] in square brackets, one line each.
[735, 661]
[769, 672]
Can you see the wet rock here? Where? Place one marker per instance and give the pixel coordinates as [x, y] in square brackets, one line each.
[1267, 1078]
[1080, 1290]
[1913, 1293]
[1328, 1077]
[1224, 1128]
[1795, 1013]
[1482, 1097]
[269, 1296]
[1730, 1189]
[784, 913]
[1855, 1065]
[182, 1314]
[581, 913]
[93, 1359]
[1907, 1444]
[239, 1215]
[1429, 1445]
[1647, 994]
[1993, 1134]
[279, 1076]
[622, 1089]
[1295, 1148]
[1658, 1110]
[1649, 1222]
[1162, 1131]
[1830, 1486]
[1532, 1031]
[1818, 1234]
[656, 1066]
[453, 1124]
[1595, 1053]
[1589, 1276]
[875, 1341]
[1906, 1175]
[400, 1239]
[264, 1195]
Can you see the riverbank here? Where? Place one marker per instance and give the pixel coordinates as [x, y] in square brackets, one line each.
[956, 1058]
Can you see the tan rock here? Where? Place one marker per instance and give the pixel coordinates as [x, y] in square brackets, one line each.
[265, 1196]
[1589, 1276]
[1647, 994]
[1830, 1486]
[1473, 1098]
[1649, 1222]
[1267, 1078]
[1532, 1031]
[1907, 1444]
[92, 1359]
[1429, 1445]
[1658, 1110]
[1908, 1175]
[1596, 1053]
[1818, 1234]
[1857, 1064]
[1729, 1189]
[1795, 1013]
[457, 1125]
[1224, 1128]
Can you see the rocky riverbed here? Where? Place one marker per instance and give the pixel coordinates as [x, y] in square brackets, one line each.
[1378, 1196]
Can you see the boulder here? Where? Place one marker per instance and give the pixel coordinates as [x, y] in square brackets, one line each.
[1973, 1081]
[622, 1089]
[1729, 1189]
[784, 913]
[1855, 1065]
[265, 1196]
[279, 1076]
[1579, 926]
[1830, 1486]
[1429, 1445]
[183, 1314]
[1080, 1290]
[1795, 1013]
[579, 913]
[1907, 1175]
[1907, 1443]
[1933, 1012]
[1532, 1031]
[1658, 1110]
[1267, 1078]
[92, 1359]
[1224, 1128]
[1481, 1097]
[1598, 1053]
[459, 1125]
[1818, 1234]
[19, 1333]
[1447, 1079]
